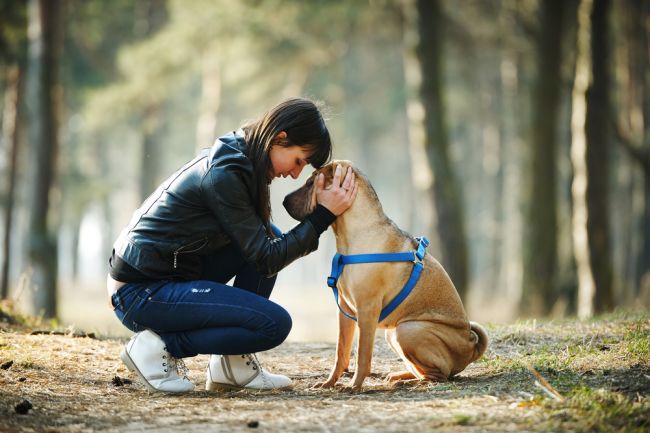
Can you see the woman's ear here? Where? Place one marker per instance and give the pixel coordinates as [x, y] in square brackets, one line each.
[280, 137]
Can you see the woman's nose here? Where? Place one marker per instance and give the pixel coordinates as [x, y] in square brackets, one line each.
[295, 172]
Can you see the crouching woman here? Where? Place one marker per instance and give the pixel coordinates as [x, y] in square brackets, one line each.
[207, 223]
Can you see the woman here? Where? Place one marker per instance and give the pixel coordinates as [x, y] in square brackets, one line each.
[210, 222]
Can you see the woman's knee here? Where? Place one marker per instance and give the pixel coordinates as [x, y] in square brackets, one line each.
[282, 325]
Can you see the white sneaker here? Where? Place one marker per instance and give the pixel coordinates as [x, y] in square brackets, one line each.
[146, 355]
[228, 372]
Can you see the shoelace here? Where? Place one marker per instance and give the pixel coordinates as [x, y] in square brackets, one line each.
[252, 358]
[176, 364]
[179, 365]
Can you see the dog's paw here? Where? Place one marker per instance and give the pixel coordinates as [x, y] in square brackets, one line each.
[323, 385]
[399, 376]
[351, 388]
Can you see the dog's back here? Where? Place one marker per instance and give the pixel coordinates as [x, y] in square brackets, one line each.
[433, 300]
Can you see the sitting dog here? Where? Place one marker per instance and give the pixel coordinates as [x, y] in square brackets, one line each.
[429, 330]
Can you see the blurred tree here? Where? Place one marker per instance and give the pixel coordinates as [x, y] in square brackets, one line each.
[633, 126]
[445, 189]
[540, 247]
[599, 135]
[206, 124]
[88, 62]
[589, 153]
[152, 14]
[513, 69]
[43, 101]
[10, 139]
[565, 276]
[204, 38]
[586, 283]
[13, 36]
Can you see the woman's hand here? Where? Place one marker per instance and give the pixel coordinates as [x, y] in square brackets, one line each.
[339, 196]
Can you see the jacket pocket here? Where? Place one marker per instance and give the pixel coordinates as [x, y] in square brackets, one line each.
[192, 247]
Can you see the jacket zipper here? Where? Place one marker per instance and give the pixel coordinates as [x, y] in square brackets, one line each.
[181, 249]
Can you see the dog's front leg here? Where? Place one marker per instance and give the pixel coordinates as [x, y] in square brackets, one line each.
[367, 322]
[343, 349]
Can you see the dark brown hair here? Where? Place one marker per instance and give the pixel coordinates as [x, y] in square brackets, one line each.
[304, 125]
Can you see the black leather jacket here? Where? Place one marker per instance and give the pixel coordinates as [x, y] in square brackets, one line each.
[202, 207]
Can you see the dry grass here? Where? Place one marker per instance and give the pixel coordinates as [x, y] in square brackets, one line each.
[601, 367]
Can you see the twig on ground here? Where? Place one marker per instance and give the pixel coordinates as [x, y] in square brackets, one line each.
[544, 384]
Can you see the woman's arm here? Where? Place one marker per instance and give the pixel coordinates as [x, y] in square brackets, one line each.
[228, 197]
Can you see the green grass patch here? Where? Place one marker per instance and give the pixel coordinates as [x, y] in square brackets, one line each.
[637, 340]
[462, 419]
[10, 317]
[600, 410]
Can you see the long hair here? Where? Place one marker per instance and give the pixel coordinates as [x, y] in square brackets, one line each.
[304, 125]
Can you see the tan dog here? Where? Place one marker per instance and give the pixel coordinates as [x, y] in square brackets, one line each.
[429, 330]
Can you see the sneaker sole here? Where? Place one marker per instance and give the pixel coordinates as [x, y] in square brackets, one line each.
[126, 359]
[214, 386]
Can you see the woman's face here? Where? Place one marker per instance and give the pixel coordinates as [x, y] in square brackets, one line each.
[288, 161]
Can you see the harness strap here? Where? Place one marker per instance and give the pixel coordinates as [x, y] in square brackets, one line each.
[339, 261]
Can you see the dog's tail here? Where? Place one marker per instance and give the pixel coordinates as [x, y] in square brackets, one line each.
[481, 340]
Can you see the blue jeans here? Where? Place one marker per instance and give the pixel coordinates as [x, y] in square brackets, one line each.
[207, 316]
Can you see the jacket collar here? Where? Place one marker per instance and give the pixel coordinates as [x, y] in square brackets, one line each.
[234, 140]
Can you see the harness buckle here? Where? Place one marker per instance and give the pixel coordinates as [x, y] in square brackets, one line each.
[331, 281]
[420, 252]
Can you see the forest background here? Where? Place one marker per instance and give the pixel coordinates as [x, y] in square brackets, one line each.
[515, 134]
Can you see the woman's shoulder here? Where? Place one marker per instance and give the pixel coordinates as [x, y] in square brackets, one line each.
[230, 149]
[230, 143]
[228, 161]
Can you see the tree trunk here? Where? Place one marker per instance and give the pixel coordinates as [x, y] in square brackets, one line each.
[151, 14]
[586, 285]
[597, 158]
[643, 270]
[632, 129]
[446, 190]
[150, 159]
[513, 77]
[540, 250]
[566, 279]
[210, 98]
[11, 139]
[638, 16]
[45, 38]
[419, 210]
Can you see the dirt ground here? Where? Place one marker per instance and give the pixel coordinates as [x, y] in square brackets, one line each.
[75, 383]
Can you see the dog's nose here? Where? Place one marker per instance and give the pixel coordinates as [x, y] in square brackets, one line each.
[287, 205]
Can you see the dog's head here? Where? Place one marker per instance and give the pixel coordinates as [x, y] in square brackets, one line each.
[302, 201]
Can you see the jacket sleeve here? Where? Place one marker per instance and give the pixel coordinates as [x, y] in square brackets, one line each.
[229, 198]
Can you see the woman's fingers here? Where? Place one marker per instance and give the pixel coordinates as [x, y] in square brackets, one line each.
[336, 181]
[347, 182]
[352, 192]
[341, 193]
[320, 182]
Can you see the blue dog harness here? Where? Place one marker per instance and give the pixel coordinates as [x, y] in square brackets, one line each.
[339, 261]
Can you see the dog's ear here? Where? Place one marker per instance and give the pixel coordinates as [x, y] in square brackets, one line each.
[329, 171]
